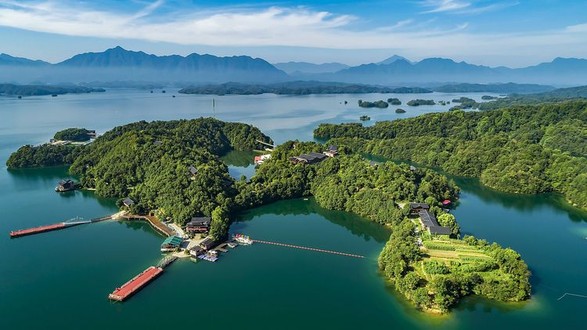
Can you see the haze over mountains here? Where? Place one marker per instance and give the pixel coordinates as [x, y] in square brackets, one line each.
[118, 64]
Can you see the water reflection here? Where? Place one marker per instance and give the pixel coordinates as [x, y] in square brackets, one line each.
[356, 225]
[518, 202]
[239, 158]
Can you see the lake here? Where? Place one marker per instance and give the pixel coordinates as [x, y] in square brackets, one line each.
[61, 279]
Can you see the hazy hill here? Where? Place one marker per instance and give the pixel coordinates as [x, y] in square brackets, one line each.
[508, 88]
[560, 71]
[118, 64]
[297, 68]
[6, 59]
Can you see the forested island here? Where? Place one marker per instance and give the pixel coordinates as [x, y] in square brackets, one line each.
[296, 88]
[377, 104]
[508, 88]
[173, 169]
[519, 149]
[38, 90]
[74, 134]
[418, 102]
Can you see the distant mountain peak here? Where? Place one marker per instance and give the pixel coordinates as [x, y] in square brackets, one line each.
[393, 59]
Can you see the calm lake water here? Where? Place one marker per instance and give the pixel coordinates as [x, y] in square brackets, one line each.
[61, 279]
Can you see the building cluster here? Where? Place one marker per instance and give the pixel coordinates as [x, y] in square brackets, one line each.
[428, 220]
[314, 157]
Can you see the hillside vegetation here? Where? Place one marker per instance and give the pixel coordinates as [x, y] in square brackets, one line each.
[519, 149]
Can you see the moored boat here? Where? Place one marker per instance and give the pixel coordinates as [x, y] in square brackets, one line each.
[242, 239]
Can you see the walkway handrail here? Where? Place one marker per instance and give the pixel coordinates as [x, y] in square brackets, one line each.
[310, 249]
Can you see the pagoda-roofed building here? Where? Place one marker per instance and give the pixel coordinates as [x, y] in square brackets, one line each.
[65, 185]
[198, 225]
[311, 158]
[415, 208]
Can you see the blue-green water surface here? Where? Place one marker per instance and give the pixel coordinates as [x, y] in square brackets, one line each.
[60, 280]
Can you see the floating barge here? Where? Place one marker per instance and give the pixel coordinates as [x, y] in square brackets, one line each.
[135, 284]
[37, 230]
[55, 226]
[42, 229]
[138, 282]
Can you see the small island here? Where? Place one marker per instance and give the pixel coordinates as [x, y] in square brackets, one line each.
[466, 103]
[377, 104]
[418, 102]
[394, 101]
[399, 110]
[365, 118]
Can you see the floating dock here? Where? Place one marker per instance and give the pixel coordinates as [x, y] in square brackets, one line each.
[135, 284]
[37, 230]
[55, 226]
[138, 282]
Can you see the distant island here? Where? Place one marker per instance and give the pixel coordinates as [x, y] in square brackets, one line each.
[39, 90]
[508, 88]
[394, 101]
[296, 88]
[418, 102]
[377, 104]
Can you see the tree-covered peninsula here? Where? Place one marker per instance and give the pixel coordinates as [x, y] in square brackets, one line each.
[38, 90]
[173, 169]
[74, 134]
[518, 149]
[296, 88]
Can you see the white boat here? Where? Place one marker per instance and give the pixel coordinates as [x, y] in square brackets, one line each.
[243, 239]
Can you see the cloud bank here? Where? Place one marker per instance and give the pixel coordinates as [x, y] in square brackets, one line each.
[285, 26]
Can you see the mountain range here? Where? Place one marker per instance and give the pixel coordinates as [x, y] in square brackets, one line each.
[118, 64]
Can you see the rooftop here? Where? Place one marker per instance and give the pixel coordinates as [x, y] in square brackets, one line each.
[199, 221]
[128, 202]
[172, 240]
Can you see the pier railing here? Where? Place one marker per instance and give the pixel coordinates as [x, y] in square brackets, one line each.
[310, 249]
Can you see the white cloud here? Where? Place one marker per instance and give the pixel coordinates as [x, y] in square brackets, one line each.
[297, 27]
[439, 6]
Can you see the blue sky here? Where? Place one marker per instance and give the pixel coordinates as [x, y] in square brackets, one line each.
[502, 32]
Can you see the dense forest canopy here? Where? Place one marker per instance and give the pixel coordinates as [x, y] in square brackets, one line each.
[174, 169]
[519, 149]
[32, 90]
[73, 134]
[297, 88]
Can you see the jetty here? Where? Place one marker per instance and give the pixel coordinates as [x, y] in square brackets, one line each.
[310, 249]
[136, 283]
[52, 227]
[269, 146]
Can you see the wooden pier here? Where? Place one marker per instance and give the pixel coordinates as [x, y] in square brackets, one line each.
[310, 249]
